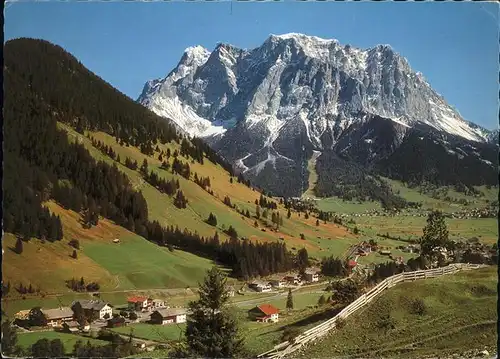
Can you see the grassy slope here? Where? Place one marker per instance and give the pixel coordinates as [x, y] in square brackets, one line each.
[134, 263]
[201, 203]
[458, 318]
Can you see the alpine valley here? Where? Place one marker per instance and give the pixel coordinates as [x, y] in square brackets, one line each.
[357, 113]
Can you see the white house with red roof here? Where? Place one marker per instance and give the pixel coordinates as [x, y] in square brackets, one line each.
[138, 303]
[264, 313]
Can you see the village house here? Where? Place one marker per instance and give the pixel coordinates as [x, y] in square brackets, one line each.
[311, 275]
[260, 286]
[138, 303]
[264, 313]
[71, 326]
[56, 317]
[97, 308]
[168, 316]
[116, 322]
[293, 279]
[278, 283]
[157, 304]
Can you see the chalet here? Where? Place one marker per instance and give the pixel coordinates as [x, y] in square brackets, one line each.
[311, 275]
[97, 308]
[138, 303]
[260, 286]
[157, 304]
[56, 317]
[71, 326]
[168, 316]
[385, 252]
[293, 279]
[352, 263]
[278, 283]
[116, 322]
[264, 313]
[116, 240]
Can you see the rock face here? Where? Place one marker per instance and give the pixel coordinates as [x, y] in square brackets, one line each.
[267, 109]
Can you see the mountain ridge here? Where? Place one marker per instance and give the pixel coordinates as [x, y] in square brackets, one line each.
[300, 89]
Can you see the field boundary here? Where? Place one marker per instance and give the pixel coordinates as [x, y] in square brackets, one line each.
[288, 347]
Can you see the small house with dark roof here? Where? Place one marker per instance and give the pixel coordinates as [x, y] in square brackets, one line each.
[168, 316]
[116, 322]
[264, 313]
[71, 326]
[311, 275]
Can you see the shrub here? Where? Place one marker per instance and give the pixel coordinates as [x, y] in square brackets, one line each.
[340, 323]
[418, 307]
[74, 243]
[290, 333]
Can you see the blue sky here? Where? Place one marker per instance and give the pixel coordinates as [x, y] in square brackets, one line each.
[455, 45]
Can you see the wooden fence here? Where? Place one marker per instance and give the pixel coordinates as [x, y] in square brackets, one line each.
[288, 347]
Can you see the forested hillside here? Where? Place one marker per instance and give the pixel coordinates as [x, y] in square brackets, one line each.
[44, 86]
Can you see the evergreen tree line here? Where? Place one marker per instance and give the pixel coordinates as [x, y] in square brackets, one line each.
[181, 168]
[188, 150]
[23, 289]
[162, 185]
[79, 285]
[24, 189]
[131, 164]
[266, 203]
[388, 269]
[203, 182]
[105, 149]
[245, 258]
[333, 267]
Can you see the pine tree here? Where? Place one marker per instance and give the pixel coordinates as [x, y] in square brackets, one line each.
[257, 211]
[435, 235]
[289, 300]
[212, 220]
[317, 222]
[212, 330]
[19, 246]
[289, 214]
[9, 339]
[144, 167]
[322, 300]
[74, 255]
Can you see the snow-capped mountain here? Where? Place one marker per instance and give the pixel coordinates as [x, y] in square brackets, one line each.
[272, 106]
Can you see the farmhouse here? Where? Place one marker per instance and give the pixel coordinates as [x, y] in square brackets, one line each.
[293, 279]
[167, 316]
[97, 308]
[156, 304]
[260, 286]
[116, 322]
[264, 313]
[56, 317]
[71, 326]
[138, 303]
[311, 275]
[278, 283]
